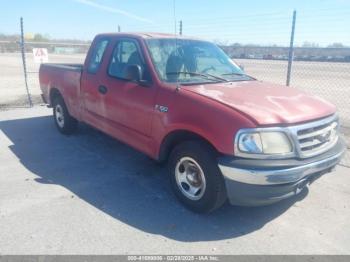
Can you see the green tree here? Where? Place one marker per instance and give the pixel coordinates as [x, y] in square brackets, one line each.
[40, 38]
[336, 45]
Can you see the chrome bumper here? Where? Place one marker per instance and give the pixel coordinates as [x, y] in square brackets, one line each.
[275, 175]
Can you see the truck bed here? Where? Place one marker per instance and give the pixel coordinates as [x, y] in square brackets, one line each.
[72, 67]
[66, 79]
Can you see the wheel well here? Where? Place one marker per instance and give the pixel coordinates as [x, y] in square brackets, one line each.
[53, 94]
[177, 137]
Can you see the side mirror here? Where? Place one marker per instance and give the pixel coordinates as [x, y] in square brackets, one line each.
[241, 67]
[133, 73]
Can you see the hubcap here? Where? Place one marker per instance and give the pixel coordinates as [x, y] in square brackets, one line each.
[59, 116]
[190, 178]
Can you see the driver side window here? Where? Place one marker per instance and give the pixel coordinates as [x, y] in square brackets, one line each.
[125, 53]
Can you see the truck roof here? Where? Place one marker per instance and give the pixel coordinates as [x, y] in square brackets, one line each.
[146, 35]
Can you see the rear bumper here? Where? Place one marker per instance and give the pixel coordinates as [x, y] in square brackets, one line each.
[262, 182]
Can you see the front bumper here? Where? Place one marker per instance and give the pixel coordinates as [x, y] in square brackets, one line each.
[260, 182]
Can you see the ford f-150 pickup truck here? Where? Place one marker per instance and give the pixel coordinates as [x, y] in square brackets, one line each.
[224, 134]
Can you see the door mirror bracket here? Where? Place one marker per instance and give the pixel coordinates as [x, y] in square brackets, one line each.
[134, 73]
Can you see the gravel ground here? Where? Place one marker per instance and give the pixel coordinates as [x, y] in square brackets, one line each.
[90, 194]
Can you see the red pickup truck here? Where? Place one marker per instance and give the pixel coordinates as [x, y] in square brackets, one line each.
[224, 134]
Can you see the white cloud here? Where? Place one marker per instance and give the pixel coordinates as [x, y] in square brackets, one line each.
[114, 10]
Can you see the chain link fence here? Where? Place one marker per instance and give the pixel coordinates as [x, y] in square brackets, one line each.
[326, 74]
[12, 82]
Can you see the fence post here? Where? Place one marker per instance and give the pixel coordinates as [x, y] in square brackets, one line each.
[291, 49]
[24, 64]
[119, 29]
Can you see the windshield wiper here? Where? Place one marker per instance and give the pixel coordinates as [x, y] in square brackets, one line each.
[198, 74]
[238, 74]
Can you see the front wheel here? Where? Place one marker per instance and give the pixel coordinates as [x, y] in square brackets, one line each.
[65, 123]
[195, 177]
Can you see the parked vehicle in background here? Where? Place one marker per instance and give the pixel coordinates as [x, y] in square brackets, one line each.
[224, 134]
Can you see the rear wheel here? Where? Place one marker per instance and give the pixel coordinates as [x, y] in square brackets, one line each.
[195, 177]
[65, 123]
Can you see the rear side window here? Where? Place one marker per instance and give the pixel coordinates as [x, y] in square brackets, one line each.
[97, 54]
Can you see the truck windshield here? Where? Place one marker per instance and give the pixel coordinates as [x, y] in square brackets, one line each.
[192, 61]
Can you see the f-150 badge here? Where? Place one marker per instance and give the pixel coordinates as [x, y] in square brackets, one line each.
[162, 109]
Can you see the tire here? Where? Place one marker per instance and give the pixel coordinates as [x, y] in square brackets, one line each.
[65, 123]
[192, 163]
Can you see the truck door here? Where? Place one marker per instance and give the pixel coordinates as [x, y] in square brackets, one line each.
[121, 108]
[91, 82]
[128, 103]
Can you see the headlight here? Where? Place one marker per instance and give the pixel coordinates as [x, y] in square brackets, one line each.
[264, 143]
[250, 143]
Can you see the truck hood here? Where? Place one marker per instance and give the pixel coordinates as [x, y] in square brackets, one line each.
[266, 103]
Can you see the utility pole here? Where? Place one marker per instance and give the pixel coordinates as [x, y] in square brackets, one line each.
[180, 30]
[24, 63]
[291, 49]
[119, 30]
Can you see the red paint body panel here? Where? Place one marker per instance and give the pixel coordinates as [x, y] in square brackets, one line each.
[267, 103]
[67, 80]
[213, 111]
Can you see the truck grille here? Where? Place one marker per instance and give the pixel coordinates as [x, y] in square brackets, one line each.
[317, 137]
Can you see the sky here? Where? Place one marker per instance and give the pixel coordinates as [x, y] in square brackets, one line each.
[264, 22]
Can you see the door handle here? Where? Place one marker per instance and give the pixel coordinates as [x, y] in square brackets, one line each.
[102, 89]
